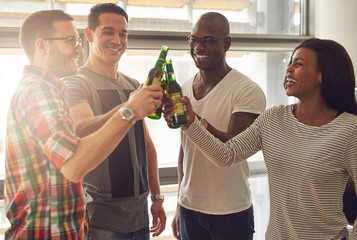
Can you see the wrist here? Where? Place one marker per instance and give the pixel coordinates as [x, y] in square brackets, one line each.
[204, 122]
[189, 122]
[157, 202]
[127, 114]
[157, 198]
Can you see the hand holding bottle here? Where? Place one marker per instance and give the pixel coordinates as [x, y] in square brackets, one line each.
[189, 111]
[144, 100]
[170, 106]
[173, 89]
[156, 76]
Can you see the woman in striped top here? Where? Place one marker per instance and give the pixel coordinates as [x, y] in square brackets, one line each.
[309, 148]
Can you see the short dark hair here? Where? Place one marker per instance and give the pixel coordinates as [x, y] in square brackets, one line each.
[39, 25]
[224, 21]
[96, 10]
[338, 78]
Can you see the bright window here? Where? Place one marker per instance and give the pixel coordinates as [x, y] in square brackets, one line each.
[245, 16]
[10, 76]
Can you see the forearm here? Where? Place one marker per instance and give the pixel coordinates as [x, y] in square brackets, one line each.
[94, 148]
[219, 153]
[239, 121]
[153, 172]
[223, 136]
[153, 177]
[87, 126]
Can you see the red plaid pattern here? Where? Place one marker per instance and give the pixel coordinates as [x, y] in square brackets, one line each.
[39, 202]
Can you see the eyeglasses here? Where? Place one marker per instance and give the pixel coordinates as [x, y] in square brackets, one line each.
[205, 42]
[71, 39]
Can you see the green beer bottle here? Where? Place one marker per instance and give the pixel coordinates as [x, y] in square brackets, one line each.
[173, 89]
[156, 77]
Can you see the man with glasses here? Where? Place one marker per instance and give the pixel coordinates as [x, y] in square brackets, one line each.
[75, 42]
[215, 203]
[45, 160]
[117, 191]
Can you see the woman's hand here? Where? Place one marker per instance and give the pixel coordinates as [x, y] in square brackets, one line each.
[189, 110]
[169, 109]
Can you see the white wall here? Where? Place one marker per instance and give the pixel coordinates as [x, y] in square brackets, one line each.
[337, 20]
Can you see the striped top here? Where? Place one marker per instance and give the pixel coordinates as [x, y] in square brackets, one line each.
[39, 202]
[308, 168]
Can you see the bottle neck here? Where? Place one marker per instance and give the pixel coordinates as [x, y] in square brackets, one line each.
[159, 63]
[171, 77]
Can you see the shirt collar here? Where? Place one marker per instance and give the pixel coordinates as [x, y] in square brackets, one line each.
[45, 75]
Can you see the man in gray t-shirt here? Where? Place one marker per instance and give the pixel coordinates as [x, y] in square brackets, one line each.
[117, 190]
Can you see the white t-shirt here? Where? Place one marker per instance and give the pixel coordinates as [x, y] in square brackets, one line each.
[205, 187]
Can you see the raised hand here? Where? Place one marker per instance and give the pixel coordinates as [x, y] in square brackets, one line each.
[189, 110]
[169, 107]
[145, 100]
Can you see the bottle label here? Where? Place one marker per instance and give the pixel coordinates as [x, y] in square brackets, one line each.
[156, 80]
[177, 98]
[154, 77]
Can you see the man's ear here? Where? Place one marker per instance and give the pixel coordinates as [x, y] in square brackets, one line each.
[320, 78]
[89, 34]
[227, 43]
[40, 46]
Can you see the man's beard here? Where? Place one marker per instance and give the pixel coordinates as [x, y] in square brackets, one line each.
[60, 65]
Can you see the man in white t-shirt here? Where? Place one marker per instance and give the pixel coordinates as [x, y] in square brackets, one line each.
[213, 202]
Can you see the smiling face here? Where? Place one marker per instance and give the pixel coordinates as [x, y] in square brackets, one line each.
[108, 41]
[303, 78]
[62, 58]
[211, 57]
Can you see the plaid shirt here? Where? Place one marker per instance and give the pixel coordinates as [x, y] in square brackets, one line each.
[39, 202]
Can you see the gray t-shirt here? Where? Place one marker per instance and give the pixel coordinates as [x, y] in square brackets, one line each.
[117, 189]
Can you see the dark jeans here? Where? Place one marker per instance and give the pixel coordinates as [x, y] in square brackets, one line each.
[102, 234]
[200, 226]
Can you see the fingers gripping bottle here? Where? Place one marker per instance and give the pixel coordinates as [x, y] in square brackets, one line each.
[173, 89]
[156, 77]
